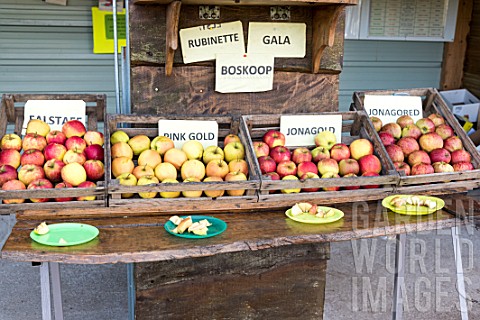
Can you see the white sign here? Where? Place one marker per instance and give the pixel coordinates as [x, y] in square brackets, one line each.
[283, 40]
[181, 131]
[203, 42]
[244, 72]
[54, 112]
[390, 108]
[300, 130]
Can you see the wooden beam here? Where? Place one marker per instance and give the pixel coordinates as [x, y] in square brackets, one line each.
[173, 14]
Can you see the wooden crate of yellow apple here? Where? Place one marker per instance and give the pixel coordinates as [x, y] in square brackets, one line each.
[146, 170]
[48, 169]
[326, 171]
[433, 155]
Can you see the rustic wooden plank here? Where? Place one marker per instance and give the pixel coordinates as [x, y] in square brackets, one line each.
[250, 2]
[173, 15]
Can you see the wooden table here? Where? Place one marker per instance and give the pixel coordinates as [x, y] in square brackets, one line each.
[142, 239]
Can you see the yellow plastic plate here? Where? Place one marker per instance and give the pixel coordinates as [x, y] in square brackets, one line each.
[410, 209]
[310, 218]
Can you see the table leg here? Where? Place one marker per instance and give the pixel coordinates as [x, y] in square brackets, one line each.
[45, 291]
[399, 282]
[459, 267]
[56, 290]
[131, 291]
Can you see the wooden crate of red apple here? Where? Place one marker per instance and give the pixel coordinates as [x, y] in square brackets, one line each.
[48, 169]
[433, 154]
[326, 170]
[146, 170]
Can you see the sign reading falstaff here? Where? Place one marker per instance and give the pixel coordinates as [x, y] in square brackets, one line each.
[244, 72]
[283, 40]
[203, 42]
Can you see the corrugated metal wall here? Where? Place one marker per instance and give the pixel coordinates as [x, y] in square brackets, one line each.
[471, 76]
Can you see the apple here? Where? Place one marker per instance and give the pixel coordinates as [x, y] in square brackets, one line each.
[139, 143]
[440, 155]
[444, 131]
[176, 157]
[234, 150]
[28, 173]
[395, 152]
[34, 141]
[37, 126]
[161, 144]
[463, 166]
[121, 165]
[360, 148]
[149, 157]
[393, 128]
[75, 143]
[193, 169]
[412, 131]
[74, 173]
[439, 167]
[430, 141]
[348, 166]
[86, 184]
[280, 153]
[425, 125]
[309, 175]
[419, 156]
[11, 185]
[377, 123]
[307, 166]
[325, 139]
[54, 151]
[121, 149]
[370, 163]
[327, 165]
[73, 128]
[74, 156]
[238, 165]
[402, 166]
[94, 152]
[320, 153]
[339, 151]
[53, 170]
[11, 157]
[267, 164]
[422, 168]
[453, 143]
[147, 180]
[93, 137]
[261, 149]
[56, 136]
[274, 138]
[460, 156]
[386, 138]
[231, 138]
[32, 156]
[213, 193]
[193, 149]
[11, 141]
[273, 176]
[127, 179]
[370, 186]
[350, 175]
[170, 194]
[165, 170]
[408, 145]
[7, 173]
[60, 185]
[217, 168]
[329, 175]
[40, 184]
[236, 176]
[292, 190]
[301, 154]
[286, 168]
[404, 121]
[213, 153]
[119, 136]
[95, 169]
[436, 119]
[191, 193]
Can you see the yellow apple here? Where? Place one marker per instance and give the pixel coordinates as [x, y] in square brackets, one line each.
[139, 143]
[217, 168]
[192, 193]
[119, 136]
[149, 157]
[192, 169]
[213, 193]
[234, 150]
[193, 149]
[74, 173]
[127, 179]
[161, 144]
[38, 126]
[238, 165]
[236, 176]
[147, 180]
[176, 157]
[140, 171]
[170, 194]
[121, 149]
[295, 190]
[121, 165]
[165, 170]
[212, 153]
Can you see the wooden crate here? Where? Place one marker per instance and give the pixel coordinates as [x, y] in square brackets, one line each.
[437, 183]
[148, 125]
[12, 114]
[355, 125]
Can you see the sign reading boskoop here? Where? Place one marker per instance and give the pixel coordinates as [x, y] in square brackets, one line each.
[390, 108]
[181, 131]
[300, 130]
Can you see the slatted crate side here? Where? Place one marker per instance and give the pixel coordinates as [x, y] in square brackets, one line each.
[148, 125]
[12, 113]
[355, 125]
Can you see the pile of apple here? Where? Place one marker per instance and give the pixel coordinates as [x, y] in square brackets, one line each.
[423, 147]
[328, 159]
[45, 159]
[139, 160]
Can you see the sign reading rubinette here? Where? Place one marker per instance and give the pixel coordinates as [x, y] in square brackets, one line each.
[180, 131]
[300, 130]
[390, 108]
[203, 42]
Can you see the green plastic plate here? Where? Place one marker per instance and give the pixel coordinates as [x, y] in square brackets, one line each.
[66, 234]
[310, 218]
[218, 226]
[413, 210]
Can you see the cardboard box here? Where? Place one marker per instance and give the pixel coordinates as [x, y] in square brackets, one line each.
[463, 103]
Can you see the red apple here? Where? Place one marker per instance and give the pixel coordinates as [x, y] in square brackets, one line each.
[436, 119]
[286, 168]
[73, 128]
[94, 152]
[369, 163]
[377, 123]
[453, 143]
[350, 175]
[444, 131]
[412, 131]
[93, 137]
[53, 170]
[32, 156]
[13, 185]
[426, 125]
[393, 128]
[460, 156]
[63, 185]
[271, 176]
[75, 143]
[439, 167]
[339, 152]
[348, 166]
[370, 186]
[29, 173]
[11, 141]
[309, 175]
[267, 164]
[280, 153]
[86, 184]
[404, 121]
[440, 155]
[402, 166]
[274, 138]
[408, 145]
[56, 136]
[231, 138]
[73, 155]
[301, 154]
[304, 167]
[94, 169]
[34, 141]
[463, 166]
[54, 151]
[7, 173]
[430, 141]
[40, 184]
[386, 138]
[419, 156]
[395, 152]
[11, 157]
[360, 148]
[320, 153]
[327, 165]
[422, 168]
[261, 149]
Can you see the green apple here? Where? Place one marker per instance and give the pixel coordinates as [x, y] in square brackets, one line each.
[325, 139]
[234, 150]
[127, 179]
[212, 153]
[119, 136]
[139, 143]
